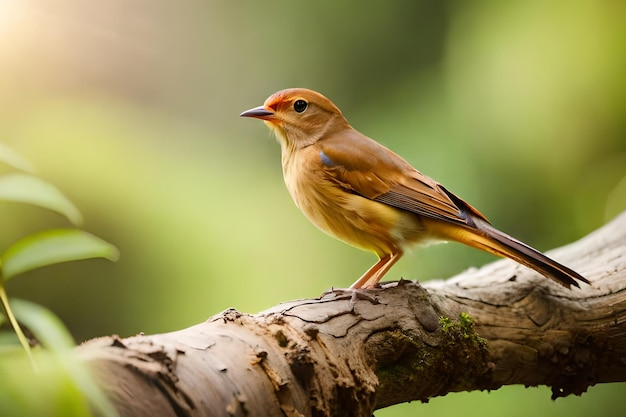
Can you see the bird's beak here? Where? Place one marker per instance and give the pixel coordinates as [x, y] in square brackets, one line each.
[258, 113]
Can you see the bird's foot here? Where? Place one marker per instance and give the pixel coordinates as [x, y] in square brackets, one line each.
[353, 294]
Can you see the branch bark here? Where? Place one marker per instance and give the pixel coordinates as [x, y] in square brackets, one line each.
[348, 354]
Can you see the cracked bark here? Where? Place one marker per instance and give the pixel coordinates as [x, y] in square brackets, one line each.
[341, 355]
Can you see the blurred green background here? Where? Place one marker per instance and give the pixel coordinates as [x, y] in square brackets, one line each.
[131, 108]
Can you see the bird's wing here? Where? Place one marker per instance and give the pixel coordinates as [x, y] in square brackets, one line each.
[423, 195]
[361, 165]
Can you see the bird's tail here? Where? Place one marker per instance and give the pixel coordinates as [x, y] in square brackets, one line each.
[488, 238]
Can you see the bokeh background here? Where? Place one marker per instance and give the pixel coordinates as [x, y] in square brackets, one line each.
[131, 108]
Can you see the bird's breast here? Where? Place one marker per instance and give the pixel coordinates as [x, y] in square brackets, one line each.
[344, 214]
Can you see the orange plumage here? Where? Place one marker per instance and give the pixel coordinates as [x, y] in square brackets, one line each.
[360, 192]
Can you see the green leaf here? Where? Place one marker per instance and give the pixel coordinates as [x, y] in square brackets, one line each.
[13, 159]
[25, 188]
[52, 247]
[47, 328]
[50, 331]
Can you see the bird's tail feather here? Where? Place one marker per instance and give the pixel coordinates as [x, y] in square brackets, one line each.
[486, 237]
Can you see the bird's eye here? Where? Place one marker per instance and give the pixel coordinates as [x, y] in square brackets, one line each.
[300, 105]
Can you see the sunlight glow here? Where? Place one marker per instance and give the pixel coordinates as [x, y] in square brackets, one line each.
[11, 14]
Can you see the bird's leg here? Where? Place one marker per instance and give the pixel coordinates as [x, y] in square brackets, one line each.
[377, 275]
[368, 274]
[371, 277]
[373, 274]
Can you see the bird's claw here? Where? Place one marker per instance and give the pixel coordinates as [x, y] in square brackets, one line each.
[353, 294]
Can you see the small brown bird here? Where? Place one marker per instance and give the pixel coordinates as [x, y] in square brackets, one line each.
[358, 191]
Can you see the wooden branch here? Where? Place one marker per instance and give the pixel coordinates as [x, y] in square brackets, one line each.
[347, 354]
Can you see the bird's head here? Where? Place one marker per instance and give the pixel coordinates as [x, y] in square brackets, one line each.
[299, 117]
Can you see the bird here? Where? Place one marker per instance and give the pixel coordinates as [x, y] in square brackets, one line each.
[360, 192]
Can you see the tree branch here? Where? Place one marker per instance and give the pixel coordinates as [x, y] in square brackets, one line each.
[347, 354]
